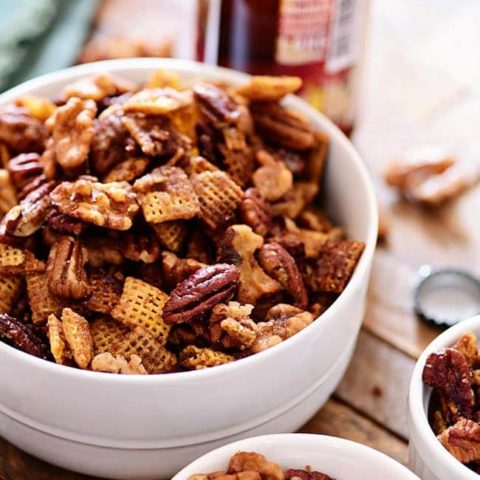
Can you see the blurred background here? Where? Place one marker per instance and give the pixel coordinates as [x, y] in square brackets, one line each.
[394, 75]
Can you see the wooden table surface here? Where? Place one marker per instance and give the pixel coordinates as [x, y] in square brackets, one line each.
[421, 84]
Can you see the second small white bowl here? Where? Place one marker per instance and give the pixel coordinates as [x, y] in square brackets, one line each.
[428, 458]
[338, 458]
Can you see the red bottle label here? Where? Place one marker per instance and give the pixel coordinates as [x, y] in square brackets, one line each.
[317, 40]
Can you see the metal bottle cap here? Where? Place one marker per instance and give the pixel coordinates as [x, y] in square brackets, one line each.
[446, 296]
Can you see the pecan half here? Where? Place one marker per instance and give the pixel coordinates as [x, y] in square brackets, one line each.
[66, 273]
[25, 219]
[449, 372]
[108, 145]
[281, 126]
[462, 440]
[24, 168]
[73, 133]
[255, 211]
[200, 292]
[216, 105]
[281, 266]
[64, 224]
[20, 131]
[110, 205]
[22, 337]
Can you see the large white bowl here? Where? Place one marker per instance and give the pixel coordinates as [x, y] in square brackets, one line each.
[428, 458]
[336, 457]
[149, 427]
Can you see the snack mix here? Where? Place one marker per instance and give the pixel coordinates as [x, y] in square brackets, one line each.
[162, 229]
[454, 374]
[254, 466]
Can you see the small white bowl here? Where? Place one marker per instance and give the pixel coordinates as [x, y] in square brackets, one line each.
[144, 427]
[428, 458]
[336, 457]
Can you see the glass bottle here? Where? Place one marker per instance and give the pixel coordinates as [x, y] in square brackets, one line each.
[318, 40]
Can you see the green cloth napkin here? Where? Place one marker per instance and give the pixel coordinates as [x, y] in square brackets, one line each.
[39, 36]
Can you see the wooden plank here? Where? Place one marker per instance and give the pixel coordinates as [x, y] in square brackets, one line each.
[376, 383]
[18, 465]
[340, 420]
[389, 314]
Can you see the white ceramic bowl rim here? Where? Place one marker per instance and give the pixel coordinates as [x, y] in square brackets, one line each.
[437, 457]
[299, 440]
[187, 67]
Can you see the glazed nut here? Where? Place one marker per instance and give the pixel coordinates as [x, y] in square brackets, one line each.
[462, 440]
[21, 336]
[24, 168]
[449, 372]
[73, 133]
[108, 363]
[232, 327]
[21, 132]
[255, 211]
[281, 266]
[255, 462]
[282, 127]
[64, 224]
[26, 218]
[273, 179]
[238, 247]
[216, 105]
[200, 292]
[110, 205]
[66, 272]
[108, 144]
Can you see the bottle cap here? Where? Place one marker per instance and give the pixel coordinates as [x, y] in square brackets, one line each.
[446, 296]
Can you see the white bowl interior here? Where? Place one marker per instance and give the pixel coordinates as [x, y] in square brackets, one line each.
[435, 456]
[339, 458]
